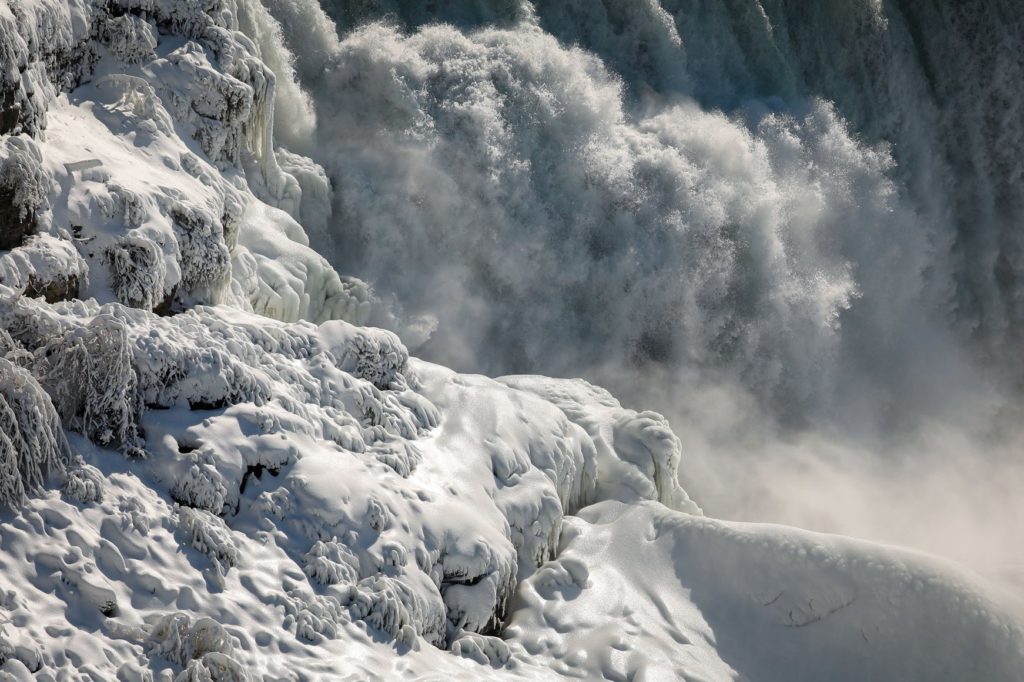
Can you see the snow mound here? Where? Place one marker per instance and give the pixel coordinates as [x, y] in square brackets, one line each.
[643, 590]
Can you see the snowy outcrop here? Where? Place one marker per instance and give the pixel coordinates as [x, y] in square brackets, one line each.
[407, 498]
[46, 267]
[333, 436]
[150, 235]
[638, 455]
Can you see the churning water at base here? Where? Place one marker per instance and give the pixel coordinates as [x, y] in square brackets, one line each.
[794, 228]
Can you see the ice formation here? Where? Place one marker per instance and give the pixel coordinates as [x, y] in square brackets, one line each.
[210, 471]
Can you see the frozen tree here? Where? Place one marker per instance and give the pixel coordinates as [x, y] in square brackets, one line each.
[32, 444]
[89, 373]
[23, 186]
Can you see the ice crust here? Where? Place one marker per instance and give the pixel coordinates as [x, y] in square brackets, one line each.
[210, 471]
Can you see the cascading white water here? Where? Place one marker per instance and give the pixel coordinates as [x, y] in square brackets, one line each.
[794, 228]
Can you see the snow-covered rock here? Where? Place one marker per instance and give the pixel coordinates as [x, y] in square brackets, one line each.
[159, 227]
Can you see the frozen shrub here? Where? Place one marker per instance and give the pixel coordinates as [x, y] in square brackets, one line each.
[32, 444]
[186, 19]
[396, 609]
[182, 362]
[7, 344]
[180, 640]
[208, 534]
[401, 455]
[84, 483]
[128, 37]
[317, 618]
[201, 487]
[133, 516]
[12, 487]
[331, 563]
[120, 203]
[204, 258]
[137, 272]
[376, 355]
[213, 667]
[40, 53]
[89, 374]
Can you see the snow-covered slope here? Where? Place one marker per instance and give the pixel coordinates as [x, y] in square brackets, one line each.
[640, 590]
[209, 471]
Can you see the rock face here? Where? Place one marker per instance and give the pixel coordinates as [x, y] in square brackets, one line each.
[53, 291]
[45, 266]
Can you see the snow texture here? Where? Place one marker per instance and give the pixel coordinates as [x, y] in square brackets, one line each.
[209, 471]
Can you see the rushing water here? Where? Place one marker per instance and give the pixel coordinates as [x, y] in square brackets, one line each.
[797, 228]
